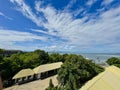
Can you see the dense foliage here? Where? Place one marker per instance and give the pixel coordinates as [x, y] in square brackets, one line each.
[20, 61]
[76, 71]
[114, 61]
[9, 66]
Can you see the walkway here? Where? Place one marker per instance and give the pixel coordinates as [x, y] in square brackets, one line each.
[35, 85]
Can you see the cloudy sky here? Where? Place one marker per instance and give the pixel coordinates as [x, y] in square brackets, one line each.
[60, 25]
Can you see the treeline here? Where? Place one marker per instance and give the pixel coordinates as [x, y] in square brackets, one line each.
[9, 66]
[114, 61]
[74, 72]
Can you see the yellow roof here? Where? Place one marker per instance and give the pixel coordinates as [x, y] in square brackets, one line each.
[107, 80]
[23, 73]
[47, 67]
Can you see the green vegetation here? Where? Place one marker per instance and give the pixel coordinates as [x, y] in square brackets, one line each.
[74, 72]
[114, 61]
[1, 53]
[51, 86]
[9, 66]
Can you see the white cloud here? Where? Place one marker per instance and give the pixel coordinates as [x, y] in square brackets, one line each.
[70, 4]
[27, 11]
[78, 11]
[13, 46]
[38, 30]
[76, 30]
[107, 2]
[80, 34]
[8, 38]
[57, 47]
[90, 2]
[14, 36]
[2, 14]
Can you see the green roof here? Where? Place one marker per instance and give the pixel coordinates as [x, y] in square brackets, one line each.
[24, 73]
[107, 80]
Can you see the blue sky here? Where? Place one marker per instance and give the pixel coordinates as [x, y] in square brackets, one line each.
[84, 26]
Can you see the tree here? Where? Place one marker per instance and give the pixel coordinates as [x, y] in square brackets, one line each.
[42, 56]
[1, 51]
[50, 83]
[51, 86]
[55, 57]
[68, 75]
[114, 61]
[75, 71]
[1, 62]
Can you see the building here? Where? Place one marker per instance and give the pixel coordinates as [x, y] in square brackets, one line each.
[23, 76]
[107, 80]
[47, 70]
[40, 72]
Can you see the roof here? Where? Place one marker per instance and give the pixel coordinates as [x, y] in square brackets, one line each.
[107, 80]
[47, 67]
[23, 73]
[39, 69]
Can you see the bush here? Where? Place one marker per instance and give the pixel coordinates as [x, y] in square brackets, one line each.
[51, 86]
[75, 71]
[114, 61]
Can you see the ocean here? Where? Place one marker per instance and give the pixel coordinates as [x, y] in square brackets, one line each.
[96, 57]
[99, 57]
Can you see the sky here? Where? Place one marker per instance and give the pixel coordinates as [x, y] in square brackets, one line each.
[80, 26]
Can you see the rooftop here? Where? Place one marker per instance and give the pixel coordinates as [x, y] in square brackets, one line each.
[107, 80]
[24, 73]
[47, 67]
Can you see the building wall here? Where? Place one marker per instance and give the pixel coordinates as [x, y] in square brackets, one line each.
[23, 80]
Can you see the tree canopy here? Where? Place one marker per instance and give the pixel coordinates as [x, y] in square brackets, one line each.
[114, 61]
[11, 65]
[75, 71]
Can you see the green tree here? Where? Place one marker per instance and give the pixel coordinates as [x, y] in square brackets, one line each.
[76, 71]
[14, 63]
[55, 57]
[114, 61]
[51, 83]
[43, 56]
[51, 86]
[1, 62]
[1, 51]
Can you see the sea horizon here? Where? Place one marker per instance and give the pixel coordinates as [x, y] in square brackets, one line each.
[96, 57]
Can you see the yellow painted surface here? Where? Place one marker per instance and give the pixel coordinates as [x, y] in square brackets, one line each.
[47, 67]
[24, 73]
[39, 69]
[107, 80]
